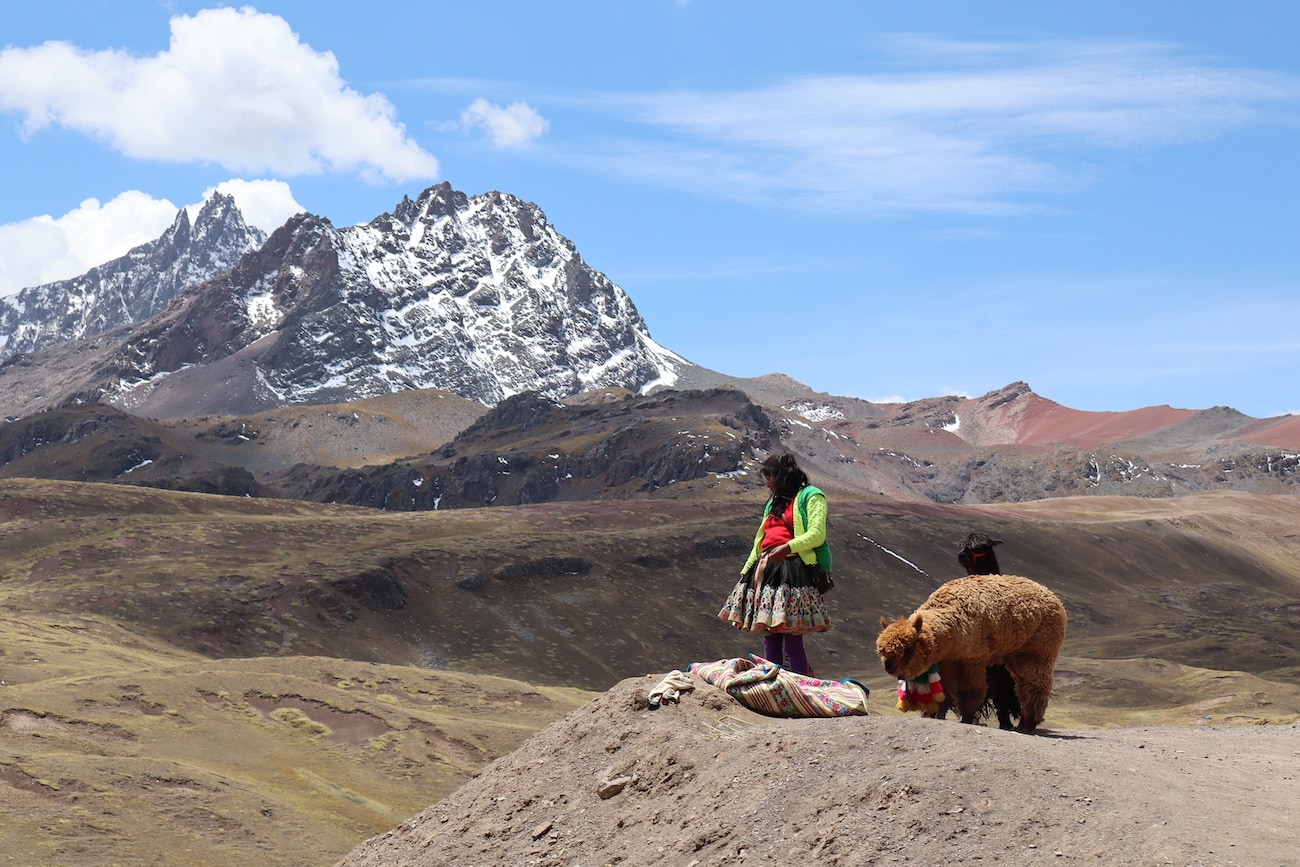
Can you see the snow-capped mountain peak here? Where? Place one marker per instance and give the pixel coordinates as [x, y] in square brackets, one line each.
[476, 295]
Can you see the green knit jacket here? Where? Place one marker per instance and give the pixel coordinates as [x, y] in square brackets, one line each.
[809, 540]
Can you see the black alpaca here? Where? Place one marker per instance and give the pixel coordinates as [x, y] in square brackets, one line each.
[976, 554]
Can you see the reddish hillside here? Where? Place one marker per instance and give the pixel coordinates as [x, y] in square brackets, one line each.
[1283, 432]
[1048, 422]
[1015, 415]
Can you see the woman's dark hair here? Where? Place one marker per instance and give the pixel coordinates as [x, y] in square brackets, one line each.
[784, 469]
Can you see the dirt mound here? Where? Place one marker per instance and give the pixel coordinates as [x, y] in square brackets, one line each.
[707, 782]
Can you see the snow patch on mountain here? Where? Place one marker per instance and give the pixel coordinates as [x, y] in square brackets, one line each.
[815, 412]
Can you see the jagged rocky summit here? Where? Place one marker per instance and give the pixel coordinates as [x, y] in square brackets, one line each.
[133, 287]
[476, 295]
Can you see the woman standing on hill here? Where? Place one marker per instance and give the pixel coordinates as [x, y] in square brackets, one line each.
[779, 594]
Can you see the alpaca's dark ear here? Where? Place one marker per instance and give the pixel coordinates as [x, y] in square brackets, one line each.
[916, 621]
[883, 623]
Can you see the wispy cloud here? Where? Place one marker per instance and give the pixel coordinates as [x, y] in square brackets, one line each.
[510, 126]
[236, 88]
[966, 127]
[895, 398]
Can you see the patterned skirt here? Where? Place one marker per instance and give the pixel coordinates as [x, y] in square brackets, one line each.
[785, 601]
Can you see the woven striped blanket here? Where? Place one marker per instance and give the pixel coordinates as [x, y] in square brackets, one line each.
[767, 688]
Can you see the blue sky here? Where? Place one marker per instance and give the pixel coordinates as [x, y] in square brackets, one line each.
[883, 200]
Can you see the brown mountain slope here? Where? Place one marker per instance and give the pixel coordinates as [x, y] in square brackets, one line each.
[96, 442]
[529, 449]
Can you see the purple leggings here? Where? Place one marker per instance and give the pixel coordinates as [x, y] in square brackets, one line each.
[778, 645]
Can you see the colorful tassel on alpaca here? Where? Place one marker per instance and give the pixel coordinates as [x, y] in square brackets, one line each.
[924, 693]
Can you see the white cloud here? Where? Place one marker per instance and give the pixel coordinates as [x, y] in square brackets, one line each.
[264, 204]
[44, 249]
[942, 392]
[235, 87]
[513, 126]
[978, 129]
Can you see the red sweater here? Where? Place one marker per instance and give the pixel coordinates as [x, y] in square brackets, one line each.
[778, 529]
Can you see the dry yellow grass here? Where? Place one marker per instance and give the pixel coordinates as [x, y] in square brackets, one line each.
[117, 749]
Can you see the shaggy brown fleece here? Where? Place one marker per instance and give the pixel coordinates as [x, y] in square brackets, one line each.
[973, 622]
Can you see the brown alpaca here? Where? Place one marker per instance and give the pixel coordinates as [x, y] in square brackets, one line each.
[974, 622]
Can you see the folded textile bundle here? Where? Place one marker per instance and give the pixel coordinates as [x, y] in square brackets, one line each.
[669, 689]
[767, 688]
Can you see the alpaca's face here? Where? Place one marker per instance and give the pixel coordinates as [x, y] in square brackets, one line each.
[903, 648]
